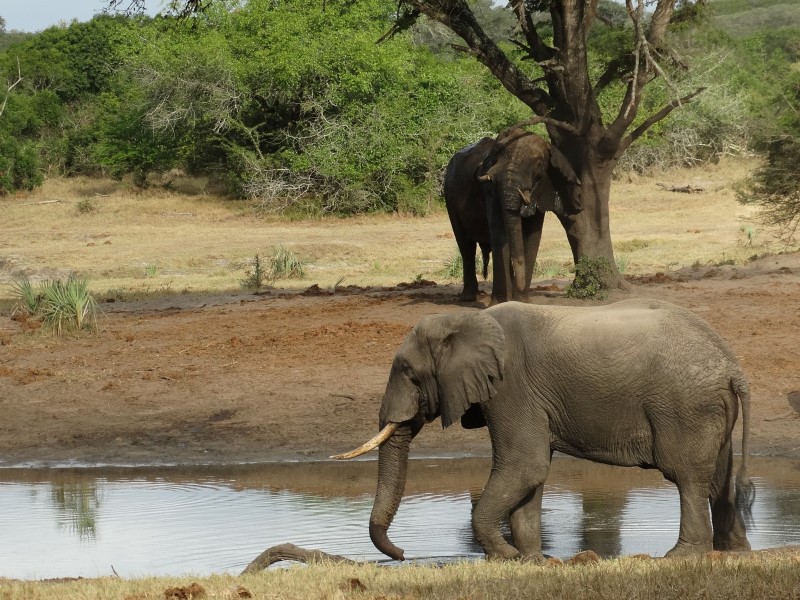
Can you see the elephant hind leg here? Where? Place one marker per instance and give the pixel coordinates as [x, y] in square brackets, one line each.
[727, 520]
[695, 534]
[691, 468]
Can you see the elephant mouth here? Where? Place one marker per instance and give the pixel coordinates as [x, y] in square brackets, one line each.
[376, 441]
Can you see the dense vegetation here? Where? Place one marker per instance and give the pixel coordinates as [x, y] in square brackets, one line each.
[296, 104]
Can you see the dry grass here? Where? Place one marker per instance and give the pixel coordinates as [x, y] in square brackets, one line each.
[712, 576]
[163, 241]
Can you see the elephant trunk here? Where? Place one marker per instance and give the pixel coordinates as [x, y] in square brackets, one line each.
[513, 223]
[392, 465]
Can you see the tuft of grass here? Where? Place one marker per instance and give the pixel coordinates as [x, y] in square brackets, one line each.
[28, 299]
[622, 263]
[61, 305]
[332, 289]
[284, 264]
[454, 267]
[151, 271]
[749, 232]
[631, 245]
[590, 279]
[550, 269]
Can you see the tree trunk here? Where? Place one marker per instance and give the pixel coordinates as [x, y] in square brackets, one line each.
[589, 231]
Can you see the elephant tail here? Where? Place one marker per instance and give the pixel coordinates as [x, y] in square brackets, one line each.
[745, 490]
[485, 250]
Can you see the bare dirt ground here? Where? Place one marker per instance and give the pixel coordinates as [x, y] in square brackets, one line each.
[299, 376]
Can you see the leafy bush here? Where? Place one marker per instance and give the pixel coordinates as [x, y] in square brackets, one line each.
[591, 275]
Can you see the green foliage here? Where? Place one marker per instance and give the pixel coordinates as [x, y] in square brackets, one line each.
[774, 185]
[62, 305]
[591, 275]
[298, 108]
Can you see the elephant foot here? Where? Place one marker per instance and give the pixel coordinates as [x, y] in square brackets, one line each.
[468, 297]
[731, 543]
[536, 558]
[685, 549]
[496, 300]
[506, 552]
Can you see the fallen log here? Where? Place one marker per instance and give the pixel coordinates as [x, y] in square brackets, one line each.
[686, 189]
[294, 553]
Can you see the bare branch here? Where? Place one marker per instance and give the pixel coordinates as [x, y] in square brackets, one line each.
[655, 118]
[539, 119]
[11, 86]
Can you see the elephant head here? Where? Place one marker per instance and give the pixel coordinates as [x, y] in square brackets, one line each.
[447, 366]
[526, 173]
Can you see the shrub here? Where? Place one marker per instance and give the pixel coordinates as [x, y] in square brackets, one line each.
[61, 305]
[255, 277]
[591, 275]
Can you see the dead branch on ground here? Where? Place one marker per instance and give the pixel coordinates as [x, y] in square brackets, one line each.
[685, 189]
[291, 552]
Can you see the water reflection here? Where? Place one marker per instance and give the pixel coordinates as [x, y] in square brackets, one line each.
[81, 522]
[78, 505]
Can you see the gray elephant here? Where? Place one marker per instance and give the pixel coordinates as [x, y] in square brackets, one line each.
[496, 192]
[635, 383]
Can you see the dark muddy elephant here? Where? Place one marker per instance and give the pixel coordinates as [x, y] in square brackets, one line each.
[496, 192]
[636, 383]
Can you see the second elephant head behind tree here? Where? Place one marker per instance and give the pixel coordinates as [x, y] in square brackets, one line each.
[496, 192]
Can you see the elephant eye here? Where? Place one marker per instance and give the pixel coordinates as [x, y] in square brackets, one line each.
[409, 372]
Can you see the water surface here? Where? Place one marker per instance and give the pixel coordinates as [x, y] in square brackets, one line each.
[171, 521]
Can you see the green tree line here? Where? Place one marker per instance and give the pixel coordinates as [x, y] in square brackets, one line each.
[297, 105]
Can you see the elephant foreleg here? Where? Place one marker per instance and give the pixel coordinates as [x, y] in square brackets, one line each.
[469, 293]
[526, 526]
[501, 254]
[514, 491]
[532, 236]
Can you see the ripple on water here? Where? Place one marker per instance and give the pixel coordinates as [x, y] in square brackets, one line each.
[173, 522]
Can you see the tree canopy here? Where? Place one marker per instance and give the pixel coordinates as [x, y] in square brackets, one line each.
[297, 105]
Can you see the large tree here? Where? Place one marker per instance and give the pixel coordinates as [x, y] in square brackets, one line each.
[553, 35]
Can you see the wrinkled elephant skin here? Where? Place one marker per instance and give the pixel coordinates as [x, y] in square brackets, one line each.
[635, 383]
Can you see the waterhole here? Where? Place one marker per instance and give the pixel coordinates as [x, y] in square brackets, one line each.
[89, 522]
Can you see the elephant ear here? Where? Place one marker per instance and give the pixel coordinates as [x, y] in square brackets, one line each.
[469, 362]
[565, 180]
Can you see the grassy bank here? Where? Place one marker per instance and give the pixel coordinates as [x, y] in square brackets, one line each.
[127, 244]
[758, 576]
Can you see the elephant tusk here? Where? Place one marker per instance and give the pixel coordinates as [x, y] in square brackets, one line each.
[484, 178]
[384, 435]
[526, 198]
